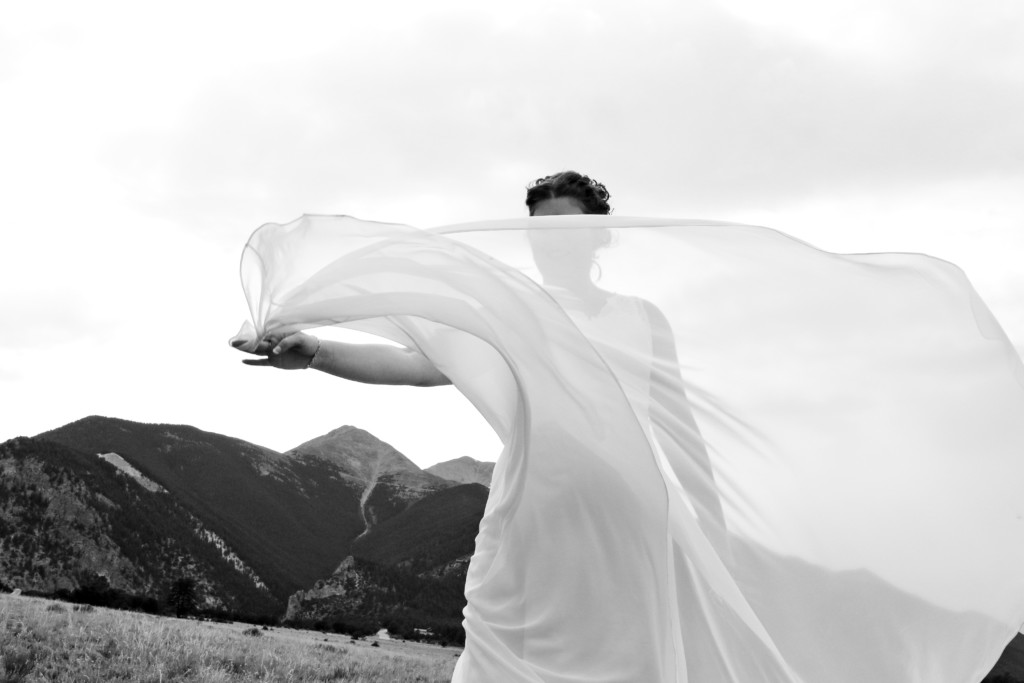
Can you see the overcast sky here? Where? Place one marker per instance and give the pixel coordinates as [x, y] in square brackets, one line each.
[140, 147]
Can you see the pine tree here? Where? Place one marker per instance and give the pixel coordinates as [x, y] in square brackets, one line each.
[182, 596]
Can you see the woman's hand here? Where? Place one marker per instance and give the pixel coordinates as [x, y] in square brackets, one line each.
[293, 352]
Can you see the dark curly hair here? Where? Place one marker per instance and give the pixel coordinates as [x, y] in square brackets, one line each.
[591, 195]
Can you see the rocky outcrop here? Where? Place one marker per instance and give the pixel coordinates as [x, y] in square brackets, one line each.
[338, 594]
[363, 597]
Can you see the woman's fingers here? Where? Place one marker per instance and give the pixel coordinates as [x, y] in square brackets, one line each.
[291, 352]
[288, 343]
[272, 343]
[260, 348]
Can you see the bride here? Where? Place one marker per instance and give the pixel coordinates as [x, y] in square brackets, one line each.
[731, 458]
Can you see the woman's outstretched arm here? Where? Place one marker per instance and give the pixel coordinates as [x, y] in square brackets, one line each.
[369, 363]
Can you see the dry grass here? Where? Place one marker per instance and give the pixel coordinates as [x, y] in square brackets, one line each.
[43, 640]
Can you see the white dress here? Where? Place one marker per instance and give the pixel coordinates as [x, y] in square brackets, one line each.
[823, 489]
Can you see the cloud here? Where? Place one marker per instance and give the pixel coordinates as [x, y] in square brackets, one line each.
[37, 320]
[678, 107]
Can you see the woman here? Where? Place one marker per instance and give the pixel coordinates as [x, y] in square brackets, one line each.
[791, 503]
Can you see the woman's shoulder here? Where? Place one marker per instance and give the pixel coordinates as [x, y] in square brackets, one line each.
[648, 310]
[640, 304]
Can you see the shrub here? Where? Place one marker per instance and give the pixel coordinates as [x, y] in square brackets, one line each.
[16, 665]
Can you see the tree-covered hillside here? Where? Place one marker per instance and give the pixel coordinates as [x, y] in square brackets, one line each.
[67, 517]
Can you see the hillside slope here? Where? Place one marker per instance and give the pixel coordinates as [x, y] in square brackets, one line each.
[69, 519]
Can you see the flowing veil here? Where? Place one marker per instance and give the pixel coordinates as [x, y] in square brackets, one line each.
[751, 460]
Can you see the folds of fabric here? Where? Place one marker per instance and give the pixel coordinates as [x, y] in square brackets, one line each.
[750, 460]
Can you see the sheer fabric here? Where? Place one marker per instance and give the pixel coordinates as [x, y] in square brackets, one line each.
[741, 459]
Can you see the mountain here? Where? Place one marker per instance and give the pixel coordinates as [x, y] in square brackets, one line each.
[429, 534]
[70, 520]
[389, 482]
[409, 571]
[290, 518]
[464, 470]
[291, 521]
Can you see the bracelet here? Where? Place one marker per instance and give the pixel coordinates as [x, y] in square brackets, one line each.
[313, 357]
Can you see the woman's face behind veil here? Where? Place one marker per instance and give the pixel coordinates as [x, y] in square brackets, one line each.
[560, 250]
[558, 206]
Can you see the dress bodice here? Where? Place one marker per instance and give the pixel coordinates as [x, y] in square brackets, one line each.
[620, 332]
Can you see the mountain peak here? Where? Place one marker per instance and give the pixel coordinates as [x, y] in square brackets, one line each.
[464, 470]
[357, 452]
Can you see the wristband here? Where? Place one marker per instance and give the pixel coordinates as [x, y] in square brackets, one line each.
[313, 357]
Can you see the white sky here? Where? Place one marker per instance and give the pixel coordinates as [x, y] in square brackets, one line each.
[141, 143]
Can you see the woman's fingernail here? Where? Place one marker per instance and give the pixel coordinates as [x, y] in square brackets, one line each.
[277, 350]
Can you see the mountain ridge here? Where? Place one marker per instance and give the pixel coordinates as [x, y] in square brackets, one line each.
[282, 521]
[389, 481]
[67, 517]
[465, 470]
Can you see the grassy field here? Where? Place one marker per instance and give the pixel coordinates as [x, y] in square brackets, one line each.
[44, 640]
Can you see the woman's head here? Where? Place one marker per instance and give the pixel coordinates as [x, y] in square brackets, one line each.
[567, 255]
[589, 195]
